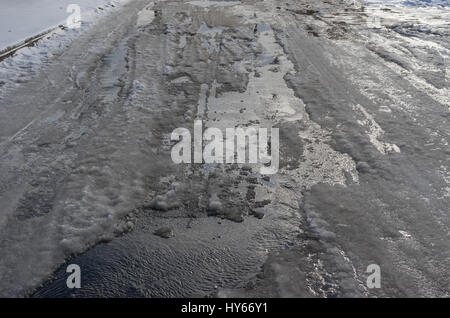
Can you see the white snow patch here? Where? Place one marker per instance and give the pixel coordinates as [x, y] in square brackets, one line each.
[375, 131]
[206, 3]
[405, 234]
[181, 80]
[146, 15]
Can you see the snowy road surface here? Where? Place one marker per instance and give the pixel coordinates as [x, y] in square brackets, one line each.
[23, 19]
[359, 94]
